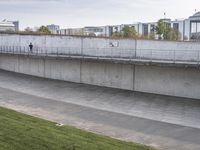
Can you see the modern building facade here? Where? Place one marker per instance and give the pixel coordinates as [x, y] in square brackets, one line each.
[194, 23]
[54, 28]
[9, 26]
[71, 31]
[187, 29]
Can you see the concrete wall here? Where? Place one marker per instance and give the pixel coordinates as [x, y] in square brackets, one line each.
[168, 50]
[182, 82]
[108, 74]
[146, 49]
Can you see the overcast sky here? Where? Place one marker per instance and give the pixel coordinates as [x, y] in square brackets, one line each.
[79, 13]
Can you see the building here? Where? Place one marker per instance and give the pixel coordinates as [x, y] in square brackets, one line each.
[187, 29]
[95, 31]
[54, 28]
[194, 23]
[9, 26]
[72, 31]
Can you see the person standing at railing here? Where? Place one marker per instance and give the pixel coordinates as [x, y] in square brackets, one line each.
[31, 47]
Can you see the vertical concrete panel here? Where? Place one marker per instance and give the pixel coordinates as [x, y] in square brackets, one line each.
[47, 68]
[55, 69]
[67, 70]
[9, 63]
[70, 70]
[37, 67]
[183, 82]
[24, 65]
[108, 74]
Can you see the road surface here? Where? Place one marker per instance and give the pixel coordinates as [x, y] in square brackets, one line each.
[160, 121]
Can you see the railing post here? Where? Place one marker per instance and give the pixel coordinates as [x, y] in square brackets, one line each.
[198, 61]
[174, 56]
[81, 46]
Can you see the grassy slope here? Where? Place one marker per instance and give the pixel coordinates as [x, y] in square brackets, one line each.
[23, 132]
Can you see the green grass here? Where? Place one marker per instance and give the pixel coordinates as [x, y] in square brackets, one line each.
[23, 132]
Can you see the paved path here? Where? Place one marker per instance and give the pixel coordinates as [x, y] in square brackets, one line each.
[139, 118]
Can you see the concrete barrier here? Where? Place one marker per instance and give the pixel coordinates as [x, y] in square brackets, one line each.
[183, 82]
[173, 81]
[104, 47]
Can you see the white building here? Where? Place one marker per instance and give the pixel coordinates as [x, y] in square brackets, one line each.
[54, 28]
[187, 29]
[9, 26]
[71, 31]
[194, 26]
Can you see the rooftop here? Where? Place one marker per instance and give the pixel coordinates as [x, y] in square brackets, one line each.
[6, 23]
[196, 15]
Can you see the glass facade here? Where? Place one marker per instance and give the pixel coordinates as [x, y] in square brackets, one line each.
[195, 30]
[176, 27]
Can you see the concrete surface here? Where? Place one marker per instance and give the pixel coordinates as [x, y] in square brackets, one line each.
[168, 109]
[167, 50]
[184, 82]
[173, 81]
[111, 112]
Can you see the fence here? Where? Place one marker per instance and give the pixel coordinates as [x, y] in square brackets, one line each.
[153, 55]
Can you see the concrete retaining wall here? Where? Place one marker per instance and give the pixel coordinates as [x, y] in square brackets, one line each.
[108, 74]
[146, 49]
[182, 82]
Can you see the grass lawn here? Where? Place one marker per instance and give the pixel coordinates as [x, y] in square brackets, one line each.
[23, 132]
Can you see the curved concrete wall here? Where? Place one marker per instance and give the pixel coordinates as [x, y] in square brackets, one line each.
[182, 82]
[146, 49]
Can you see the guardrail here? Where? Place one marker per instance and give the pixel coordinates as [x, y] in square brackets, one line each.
[151, 55]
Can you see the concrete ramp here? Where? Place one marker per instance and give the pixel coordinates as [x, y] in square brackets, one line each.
[174, 110]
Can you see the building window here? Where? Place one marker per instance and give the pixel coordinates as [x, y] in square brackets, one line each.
[145, 29]
[176, 27]
[153, 28]
[195, 30]
[193, 27]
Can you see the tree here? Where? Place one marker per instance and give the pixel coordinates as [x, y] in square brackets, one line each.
[152, 36]
[28, 30]
[117, 35]
[160, 28]
[44, 30]
[170, 34]
[129, 32]
[167, 33]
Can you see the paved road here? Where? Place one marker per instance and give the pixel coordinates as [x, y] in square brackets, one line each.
[161, 121]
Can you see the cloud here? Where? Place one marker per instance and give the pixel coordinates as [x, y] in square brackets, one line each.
[78, 13]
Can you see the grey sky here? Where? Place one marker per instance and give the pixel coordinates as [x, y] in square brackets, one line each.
[79, 13]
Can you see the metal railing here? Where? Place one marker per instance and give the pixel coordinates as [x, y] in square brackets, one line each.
[151, 55]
